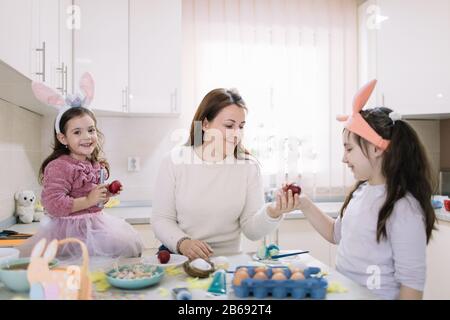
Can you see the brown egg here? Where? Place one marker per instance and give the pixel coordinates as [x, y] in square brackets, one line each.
[278, 276]
[239, 276]
[294, 270]
[242, 269]
[260, 269]
[277, 270]
[297, 276]
[260, 276]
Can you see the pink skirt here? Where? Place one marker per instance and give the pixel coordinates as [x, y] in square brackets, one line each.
[104, 235]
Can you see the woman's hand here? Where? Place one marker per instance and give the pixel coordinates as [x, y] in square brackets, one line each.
[97, 195]
[194, 249]
[286, 202]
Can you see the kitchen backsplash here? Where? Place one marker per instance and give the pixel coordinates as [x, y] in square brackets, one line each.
[20, 154]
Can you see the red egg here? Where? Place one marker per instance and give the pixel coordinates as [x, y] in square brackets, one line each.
[294, 188]
[114, 186]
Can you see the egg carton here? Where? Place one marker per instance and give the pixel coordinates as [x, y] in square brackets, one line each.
[313, 287]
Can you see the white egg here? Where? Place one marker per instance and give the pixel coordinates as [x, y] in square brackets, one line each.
[200, 264]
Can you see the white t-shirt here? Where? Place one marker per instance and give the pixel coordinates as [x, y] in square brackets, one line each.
[212, 202]
[398, 260]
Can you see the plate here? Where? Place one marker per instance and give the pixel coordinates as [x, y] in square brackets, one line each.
[175, 260]
[134, 284]
[278, 261]
[267, 261]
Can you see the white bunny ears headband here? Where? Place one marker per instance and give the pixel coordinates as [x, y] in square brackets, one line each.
[52, 98]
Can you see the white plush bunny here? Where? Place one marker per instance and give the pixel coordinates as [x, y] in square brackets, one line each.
[25, 201]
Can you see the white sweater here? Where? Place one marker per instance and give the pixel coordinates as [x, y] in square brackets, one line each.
[212, 202]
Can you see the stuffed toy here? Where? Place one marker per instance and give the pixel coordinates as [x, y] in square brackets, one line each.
[25, 206]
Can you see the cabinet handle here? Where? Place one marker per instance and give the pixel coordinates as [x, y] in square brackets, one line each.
[65, 80]
[124, 106]
[175, 108]
[61, 69]
[127, 99]
[43, 61]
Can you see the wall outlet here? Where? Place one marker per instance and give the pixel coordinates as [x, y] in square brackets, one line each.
[134, 164]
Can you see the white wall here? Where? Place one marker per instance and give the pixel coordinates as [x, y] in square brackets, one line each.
[20, 154]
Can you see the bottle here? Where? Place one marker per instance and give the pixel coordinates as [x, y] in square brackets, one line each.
[102, 181]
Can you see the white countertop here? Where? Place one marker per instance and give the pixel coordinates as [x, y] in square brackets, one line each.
[142, 215]
[354, 290]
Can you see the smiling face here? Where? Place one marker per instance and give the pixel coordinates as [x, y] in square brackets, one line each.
[226, 129]
[80, 136]
[365, 163]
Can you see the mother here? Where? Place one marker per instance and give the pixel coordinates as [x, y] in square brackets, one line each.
[210, 190]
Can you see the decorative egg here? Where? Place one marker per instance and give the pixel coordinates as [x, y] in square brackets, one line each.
[201, 264]
[260, 276]
[239, 276]
[297, 276]
[262, 252]
[279, 276]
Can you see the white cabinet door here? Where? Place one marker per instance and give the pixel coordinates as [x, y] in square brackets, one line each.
[66, 25]
[15, 34]
[438, 263]
[101, 48]
[46, 38]
[155, 56]
[298, 234]
[413, 64]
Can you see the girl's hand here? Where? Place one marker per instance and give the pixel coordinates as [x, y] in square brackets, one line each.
[97, 195]
[194, 249]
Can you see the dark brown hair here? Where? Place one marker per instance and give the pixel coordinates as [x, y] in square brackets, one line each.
[214, 102]
[60, 149]
[405, 166]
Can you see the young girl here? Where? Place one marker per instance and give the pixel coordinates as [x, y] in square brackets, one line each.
[386, 221]
[72, 194]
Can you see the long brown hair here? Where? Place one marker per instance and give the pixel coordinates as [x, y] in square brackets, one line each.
[60, 149]
[405, 166]
[214, 102]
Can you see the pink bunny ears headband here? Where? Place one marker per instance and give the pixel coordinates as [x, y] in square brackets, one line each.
[356, 123]
[52, 98]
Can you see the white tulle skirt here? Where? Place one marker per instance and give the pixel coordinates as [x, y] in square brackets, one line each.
[104, 235]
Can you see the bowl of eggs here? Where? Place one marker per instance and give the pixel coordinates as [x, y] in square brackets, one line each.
[279, 282]
[136, 276]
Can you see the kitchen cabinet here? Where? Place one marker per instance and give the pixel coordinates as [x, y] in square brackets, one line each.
[438, 264]
[36, 40]
[133, 50]
[298, 234]
[148, 236]
[155, 56]
[101, 48]
[409, 43]
[15, 34]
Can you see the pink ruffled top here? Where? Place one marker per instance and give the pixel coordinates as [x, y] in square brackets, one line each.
[66, 179]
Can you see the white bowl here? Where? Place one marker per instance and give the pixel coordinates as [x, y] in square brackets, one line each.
[7, 254]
